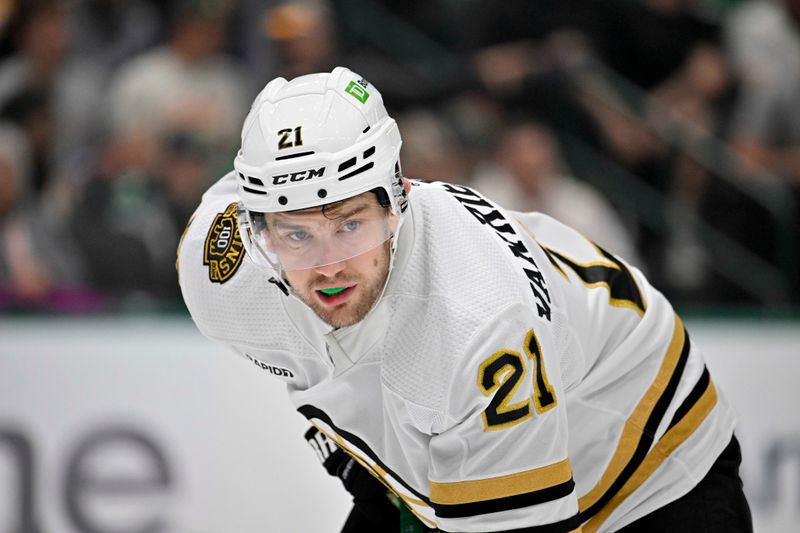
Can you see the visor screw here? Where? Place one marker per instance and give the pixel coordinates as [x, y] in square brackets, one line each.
[322, 193]
[282, 200]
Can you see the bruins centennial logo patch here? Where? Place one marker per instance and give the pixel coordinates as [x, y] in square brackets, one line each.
[223, 250]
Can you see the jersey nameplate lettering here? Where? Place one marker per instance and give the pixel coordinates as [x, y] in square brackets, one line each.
[486, 213]
[223, 250]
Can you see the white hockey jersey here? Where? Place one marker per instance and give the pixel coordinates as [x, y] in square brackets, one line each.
[514, 376]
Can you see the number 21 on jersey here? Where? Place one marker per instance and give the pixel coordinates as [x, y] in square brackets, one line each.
[501, 375]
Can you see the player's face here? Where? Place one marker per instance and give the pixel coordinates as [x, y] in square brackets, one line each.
[362, 276]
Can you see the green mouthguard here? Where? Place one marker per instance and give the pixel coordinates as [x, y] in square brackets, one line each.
[335, 290]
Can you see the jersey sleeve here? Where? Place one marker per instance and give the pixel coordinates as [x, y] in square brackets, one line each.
[501, 462]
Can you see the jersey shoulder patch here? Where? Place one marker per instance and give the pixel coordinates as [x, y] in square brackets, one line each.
[223, 250]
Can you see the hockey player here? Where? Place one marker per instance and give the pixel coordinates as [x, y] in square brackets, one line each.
[495, 370]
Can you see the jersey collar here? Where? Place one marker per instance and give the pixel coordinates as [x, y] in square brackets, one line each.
[346, 346]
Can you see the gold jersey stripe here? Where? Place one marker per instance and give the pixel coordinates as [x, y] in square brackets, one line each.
[632, 431]
[665, 446]
[460, 492]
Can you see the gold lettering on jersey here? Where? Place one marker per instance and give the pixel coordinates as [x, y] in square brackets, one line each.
[223, 251]
[487, 213]
[500, 376]
[544, 397]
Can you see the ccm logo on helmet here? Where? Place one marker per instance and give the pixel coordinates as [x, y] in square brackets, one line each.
[281, 179]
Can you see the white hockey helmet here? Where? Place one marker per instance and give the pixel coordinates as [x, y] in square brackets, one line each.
[315, 140]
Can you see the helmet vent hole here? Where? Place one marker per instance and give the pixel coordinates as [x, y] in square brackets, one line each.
[369, 151]
[283, 200]
[357, 171]
[255, 181]
[322, 193]
[347, 164]
[366, 129]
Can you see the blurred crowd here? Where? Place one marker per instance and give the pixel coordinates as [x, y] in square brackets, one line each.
[668, 131]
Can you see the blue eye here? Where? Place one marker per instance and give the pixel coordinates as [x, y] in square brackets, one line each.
[298, 236]
[351, 225]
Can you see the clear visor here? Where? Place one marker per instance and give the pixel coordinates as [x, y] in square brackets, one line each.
[306, 239]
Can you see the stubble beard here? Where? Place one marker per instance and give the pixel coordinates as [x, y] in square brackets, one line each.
[352, 311]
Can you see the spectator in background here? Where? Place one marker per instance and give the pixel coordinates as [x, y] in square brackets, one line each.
[185, 170]
[103, 35]
[673, 53]
[304, 34]
[764, 43]
[36, 261]
[21, 273]
[109, 32]
[40, 36]
[173, 115]
[31, 110]
[314, 35]
[186, 86]
[134, 210]
[53, 95]
[33, 79]
[548, 67]
[39, 267]
[431, 151]
[530, 176]
[692, 101]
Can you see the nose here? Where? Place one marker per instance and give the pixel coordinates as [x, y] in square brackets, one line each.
[332, 262]
[330, 270]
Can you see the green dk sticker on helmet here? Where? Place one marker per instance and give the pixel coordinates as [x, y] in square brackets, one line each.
[357, 91]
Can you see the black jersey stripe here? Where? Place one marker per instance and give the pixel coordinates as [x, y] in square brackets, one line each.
[552, 260]
[504, 504]
[692, 398]
[614, 275]
[310, 412]
[450, 494]
[645, 437]
[569, 525]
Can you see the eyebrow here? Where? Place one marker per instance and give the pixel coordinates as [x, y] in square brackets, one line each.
[352, 212]
[289, 225]
[279, 217]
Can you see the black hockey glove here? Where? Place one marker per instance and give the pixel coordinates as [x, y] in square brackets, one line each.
[372, 509]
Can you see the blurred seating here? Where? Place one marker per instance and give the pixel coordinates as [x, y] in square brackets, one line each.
[667, 130]
[530, 174]
[186, 85]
